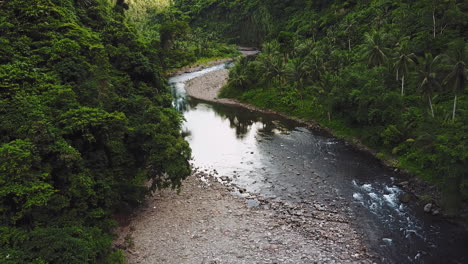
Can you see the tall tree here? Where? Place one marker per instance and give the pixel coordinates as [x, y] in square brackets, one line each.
[237, 75]
[297, 72]
[459, 72]
[273, 68]
[375, 52]
[403, 63]
[427, 74]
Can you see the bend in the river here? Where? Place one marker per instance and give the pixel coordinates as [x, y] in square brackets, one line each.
[280, 159]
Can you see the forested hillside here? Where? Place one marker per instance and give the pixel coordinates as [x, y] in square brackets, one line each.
[85, 122]
[391, 73]
[87, 127]
[180, 43]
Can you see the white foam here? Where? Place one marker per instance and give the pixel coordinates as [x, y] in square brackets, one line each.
[391, 199]
[392, 189]
[367, 187]
[357, 196]
[374, 196]
[388, 241]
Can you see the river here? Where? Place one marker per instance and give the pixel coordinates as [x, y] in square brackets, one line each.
[282, 160]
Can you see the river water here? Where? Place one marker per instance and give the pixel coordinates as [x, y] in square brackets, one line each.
[282, 160]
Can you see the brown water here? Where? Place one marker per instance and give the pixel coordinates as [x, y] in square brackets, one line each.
[282, 160]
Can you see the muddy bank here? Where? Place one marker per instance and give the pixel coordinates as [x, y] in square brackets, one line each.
[206, 223]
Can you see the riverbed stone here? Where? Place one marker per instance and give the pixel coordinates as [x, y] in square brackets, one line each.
[403, 184]
[428, 207]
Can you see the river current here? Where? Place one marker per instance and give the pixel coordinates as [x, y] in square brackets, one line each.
[280, 159]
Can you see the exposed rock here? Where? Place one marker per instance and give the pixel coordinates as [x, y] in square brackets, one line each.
[403, 184]
[428, 207]
[225, 178]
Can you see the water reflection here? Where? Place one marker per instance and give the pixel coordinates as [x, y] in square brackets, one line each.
[242, 124]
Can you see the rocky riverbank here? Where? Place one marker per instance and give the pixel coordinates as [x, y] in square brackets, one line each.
[207, 223]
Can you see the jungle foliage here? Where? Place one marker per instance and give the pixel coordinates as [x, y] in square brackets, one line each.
[182, 44]
[392, 73]
[86, 121]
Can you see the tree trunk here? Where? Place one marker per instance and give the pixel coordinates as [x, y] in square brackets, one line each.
[329, 116]
[402, 85]
[349, 44]
[430, 105]
[454, 107]
[434, 22]
[397, 72]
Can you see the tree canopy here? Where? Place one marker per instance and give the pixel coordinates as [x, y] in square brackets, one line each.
[86, 121]
[392, 73]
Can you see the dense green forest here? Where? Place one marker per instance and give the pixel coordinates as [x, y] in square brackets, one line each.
[391, 73]
[181, 43]
[87, 127]
[86, 121]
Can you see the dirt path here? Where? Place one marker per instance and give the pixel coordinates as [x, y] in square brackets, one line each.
[207, 223]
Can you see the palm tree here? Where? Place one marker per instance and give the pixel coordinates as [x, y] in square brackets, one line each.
[459, 72]
[272, 68]
[302, 48]
[315, 66]
[428, 80]
[271, 48]
[375, 52]
[297, 72]
[237, 75]
[323, 89]
[402, 64]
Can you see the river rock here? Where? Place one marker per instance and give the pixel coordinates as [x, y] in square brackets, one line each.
[427, 208]
[404, 184]
[225, 178]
